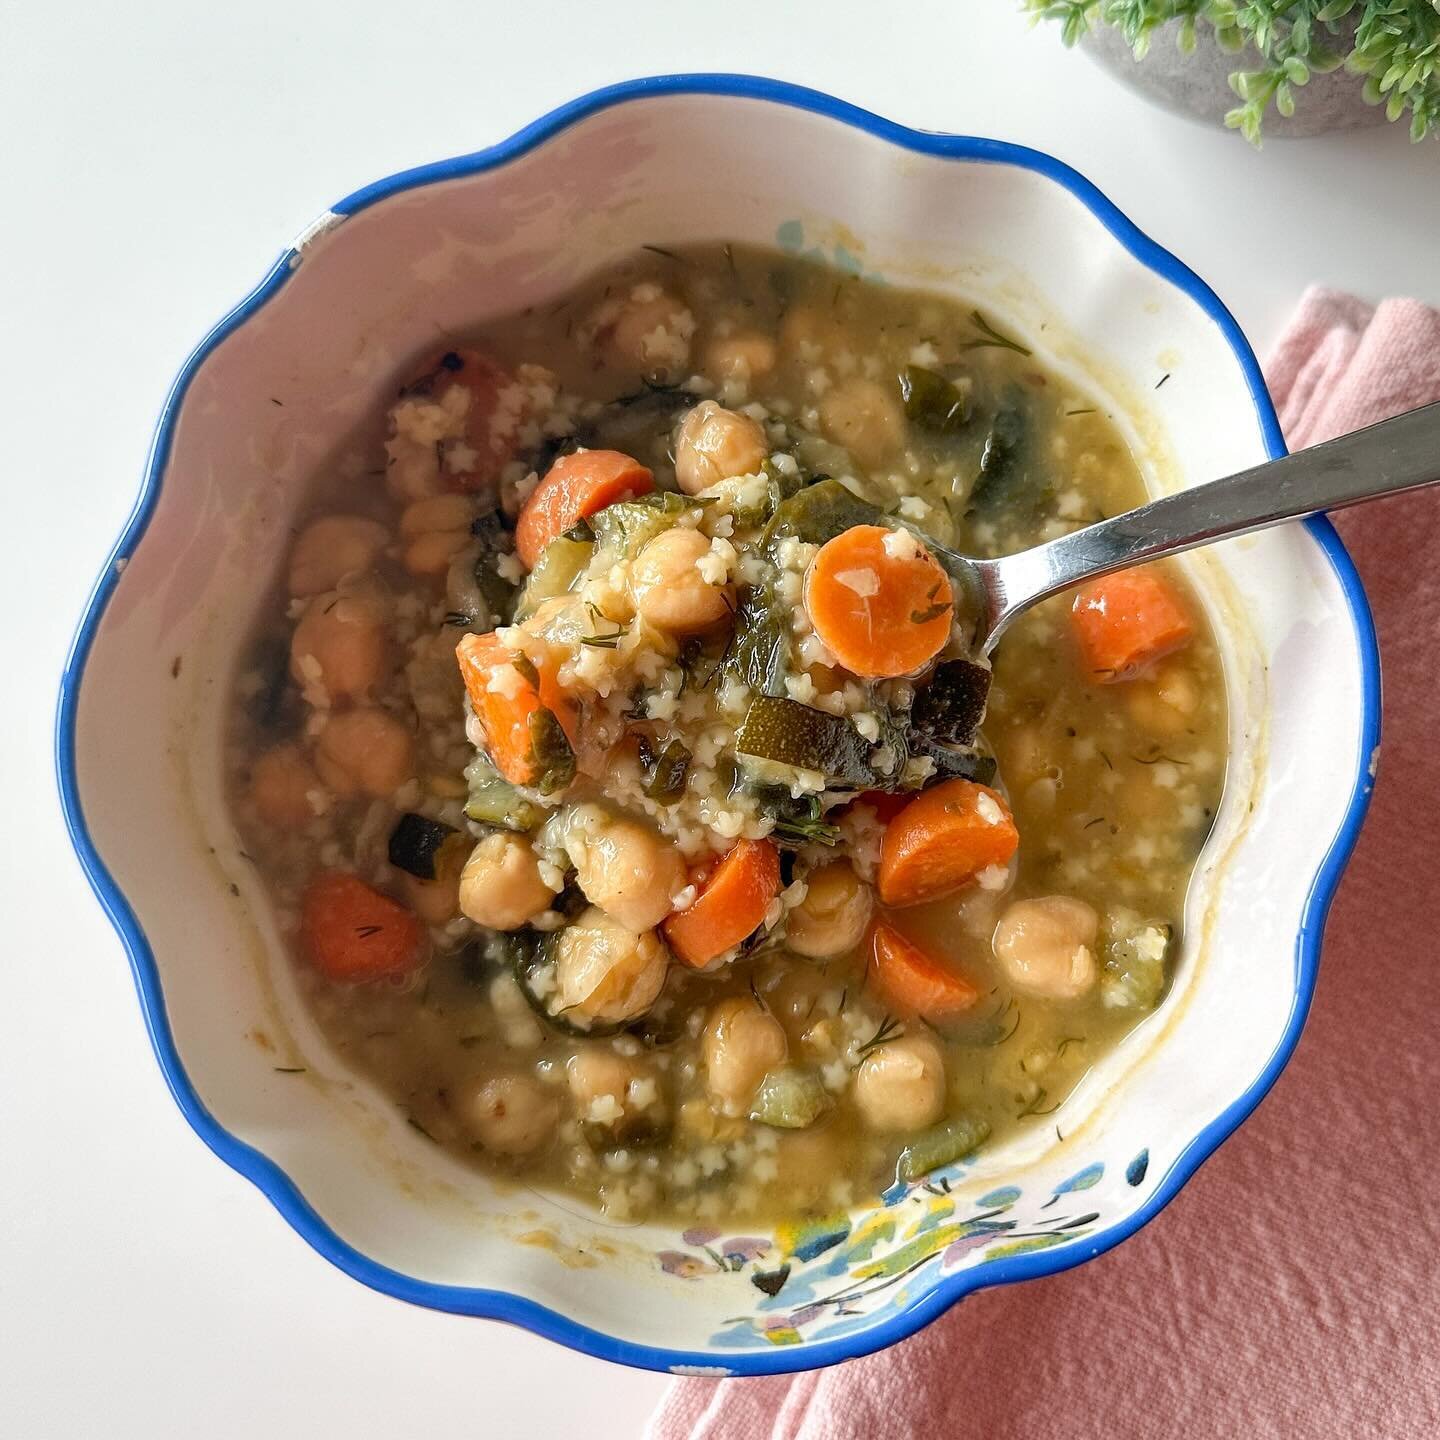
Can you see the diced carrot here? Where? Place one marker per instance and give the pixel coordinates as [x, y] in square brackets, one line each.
[491, 429]
[942, 840]
[353, 932]
[731, 905]
[515, 701]
[1127, 620]
[577, 485]
[879, 600]
[911, 982]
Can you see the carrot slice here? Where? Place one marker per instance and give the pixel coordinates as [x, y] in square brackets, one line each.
[731, 905]
[879, 600]
[577, 485]
[353, 932]
[1127, 620]
[492, 428]
[912, 982]
[942, 840]
[530, 724]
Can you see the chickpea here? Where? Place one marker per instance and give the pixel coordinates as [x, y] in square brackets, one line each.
[281, 782]
[339, 645]
[649, 330]
[365, 752]
[900, 1085]
[331, 548]
[596, 1072]
[741, 1042]
[1026, 755]
[1165, 704]
[805, 1159]
[714, 444]
[431, 553]
[832, 917]
[1044, 946]
[669, 589]
[743, 358]
[865, 418]
[412, 469]
[432, 677]
[420, 422]
[435, 530]
[510, 1114]
[796, 997]
[807, 334]
[437, 512]
[628, 869]
[437, 901]
[500, 886]
[604, 971]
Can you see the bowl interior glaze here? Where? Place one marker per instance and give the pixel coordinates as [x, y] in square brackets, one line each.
[293, 380]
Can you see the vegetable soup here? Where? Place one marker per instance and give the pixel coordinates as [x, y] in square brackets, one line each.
[618, 759]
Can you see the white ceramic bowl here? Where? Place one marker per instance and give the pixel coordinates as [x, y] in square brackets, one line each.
[295, 374]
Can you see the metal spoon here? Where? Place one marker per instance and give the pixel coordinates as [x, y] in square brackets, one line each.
[1384, 459]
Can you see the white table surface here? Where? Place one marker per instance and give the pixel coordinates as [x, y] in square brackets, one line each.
[155, 158]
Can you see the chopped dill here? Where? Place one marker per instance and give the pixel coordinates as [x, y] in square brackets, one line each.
[889, 1029]
[923, 617]
[991, 337]
[1033, 1108]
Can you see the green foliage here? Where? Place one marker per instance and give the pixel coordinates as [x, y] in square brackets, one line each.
[1396, 47]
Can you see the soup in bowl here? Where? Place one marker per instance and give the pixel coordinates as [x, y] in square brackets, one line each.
[574, 857]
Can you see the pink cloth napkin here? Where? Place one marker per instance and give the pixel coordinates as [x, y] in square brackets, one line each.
[1293, 1288]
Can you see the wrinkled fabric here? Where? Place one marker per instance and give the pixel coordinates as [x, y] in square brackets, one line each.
[1293, 1288]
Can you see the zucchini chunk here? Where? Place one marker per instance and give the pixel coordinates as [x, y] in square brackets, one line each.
[951, 705]
[416, 842]
[790, 733]
[947, 1142]
[819, 513]
[495, 801]
[789, 1098]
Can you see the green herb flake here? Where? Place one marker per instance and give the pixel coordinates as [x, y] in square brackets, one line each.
[991, 338]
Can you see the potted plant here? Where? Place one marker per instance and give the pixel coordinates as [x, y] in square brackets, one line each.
[1240, 60]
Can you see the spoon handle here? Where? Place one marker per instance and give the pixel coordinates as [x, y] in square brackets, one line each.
[1384, 459]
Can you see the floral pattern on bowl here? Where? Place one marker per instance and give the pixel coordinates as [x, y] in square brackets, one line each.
[818, 1276]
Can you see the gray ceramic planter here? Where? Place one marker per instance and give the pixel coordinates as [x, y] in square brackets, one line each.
[1198, 84]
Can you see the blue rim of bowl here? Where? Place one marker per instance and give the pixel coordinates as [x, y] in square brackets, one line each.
[500, 1305]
